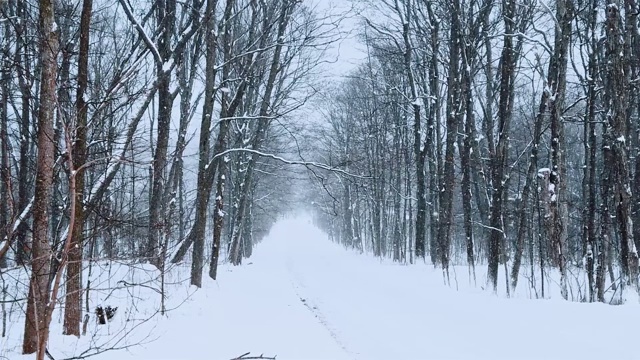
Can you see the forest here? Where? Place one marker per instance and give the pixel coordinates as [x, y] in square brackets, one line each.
[500, 134]
[501, 137]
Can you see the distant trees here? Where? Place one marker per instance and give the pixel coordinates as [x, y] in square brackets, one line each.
[504, 103]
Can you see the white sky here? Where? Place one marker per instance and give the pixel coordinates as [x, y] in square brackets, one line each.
[347, 52]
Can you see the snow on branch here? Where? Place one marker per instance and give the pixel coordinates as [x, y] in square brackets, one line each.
[289, 162]
[147, 40]
[116, 160]
[5, 244]
[550, 12]
[384, 32]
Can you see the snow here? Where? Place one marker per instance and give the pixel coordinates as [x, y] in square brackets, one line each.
[111, 167]
[167, 66]
[23, 215]
[303, 297]
[542, 172]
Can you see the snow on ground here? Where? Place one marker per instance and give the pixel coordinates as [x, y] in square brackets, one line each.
[303, 297]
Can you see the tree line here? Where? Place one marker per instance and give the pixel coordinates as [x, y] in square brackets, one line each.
[493, 133]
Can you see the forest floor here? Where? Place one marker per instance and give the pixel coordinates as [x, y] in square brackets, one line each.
[303, 297]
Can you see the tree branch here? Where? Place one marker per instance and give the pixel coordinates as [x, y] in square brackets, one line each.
[289, 162]
[246, 356]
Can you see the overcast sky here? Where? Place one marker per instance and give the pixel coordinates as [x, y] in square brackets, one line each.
[347, 52]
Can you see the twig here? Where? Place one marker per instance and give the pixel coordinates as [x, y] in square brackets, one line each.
[46, 351]
[246, 356]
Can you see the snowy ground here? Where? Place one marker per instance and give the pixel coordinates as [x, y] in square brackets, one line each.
[302, 297]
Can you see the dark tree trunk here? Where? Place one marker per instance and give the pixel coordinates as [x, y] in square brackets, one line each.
[73, 300]
[617, 87]
[5, 170]
[419, 148]
[590, 144]
[165, 13]
[432, 143]
[530, 181]
[205, 168]
[465, 146]
[454, 112]
[558, 214]
[24, 170]
[500, 155]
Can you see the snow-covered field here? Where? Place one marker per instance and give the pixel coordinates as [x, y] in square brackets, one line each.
[303, 297]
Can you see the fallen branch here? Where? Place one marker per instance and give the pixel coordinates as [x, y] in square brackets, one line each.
[246, 356]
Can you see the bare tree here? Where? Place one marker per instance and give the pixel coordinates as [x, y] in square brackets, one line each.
[283, 21]
[615, 144]
[73, 300]
[36, 326]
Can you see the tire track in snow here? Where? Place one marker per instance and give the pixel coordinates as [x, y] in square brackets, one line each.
[312, 306]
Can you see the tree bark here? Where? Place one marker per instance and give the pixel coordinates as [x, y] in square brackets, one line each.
[454, 111]
[558, 214]
[73, 300]
[499, 169]
[526, 191]
[432, 142]
[617, 87]
[5, 170]
[24, 170]
[590, 143]
[35, 322]
[166, 16]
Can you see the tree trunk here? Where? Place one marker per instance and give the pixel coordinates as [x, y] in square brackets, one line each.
[5, 176]
[454, 112]
[35, 322]
[73, 301]
[635, 137]
[166, 12]
[499, 169]
[465, 146]
[419, 149]
[526, 191]
[218, 221]
[558, 214]
[203, 189]
[617, 87]
[590, 143]
[432, 143]
[220, 145]
[24, 173]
